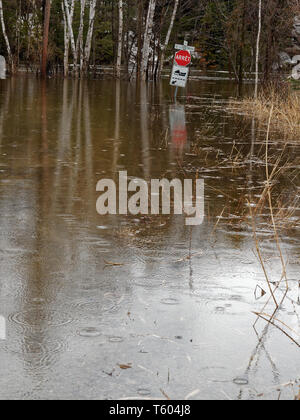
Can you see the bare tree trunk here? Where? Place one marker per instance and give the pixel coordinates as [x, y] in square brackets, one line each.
[47, 11]
[147, 39]
[79, 46]
[242, 45]
[165, 46]
[69, 18]
[88, 45]
[140, 37]
[67, 36]
[241, 49]
[10, 57]
[66, 41]
[120, 41]
[257, 49]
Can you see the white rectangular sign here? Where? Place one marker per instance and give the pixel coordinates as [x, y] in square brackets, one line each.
[184, 48]
[179, 76]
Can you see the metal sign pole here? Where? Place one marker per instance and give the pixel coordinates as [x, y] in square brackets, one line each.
[180, 71]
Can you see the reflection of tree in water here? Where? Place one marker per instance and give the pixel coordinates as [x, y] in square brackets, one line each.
[144, 101]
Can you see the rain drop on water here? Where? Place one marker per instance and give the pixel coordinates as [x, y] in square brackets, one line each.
[242, 380]
[90, 332]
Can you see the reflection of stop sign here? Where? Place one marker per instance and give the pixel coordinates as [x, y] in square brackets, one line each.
[179, 136]
[183, 58]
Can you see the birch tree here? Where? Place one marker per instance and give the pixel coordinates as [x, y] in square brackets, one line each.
[147, 39]
[257, 48]
[9, 53]
[88, 44]
[69, 19]
[120, 41]
[67, 36]
[79, 45]
[80, 49]
[165, 46]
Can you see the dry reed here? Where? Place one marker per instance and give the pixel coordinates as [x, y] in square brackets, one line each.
[285, 110]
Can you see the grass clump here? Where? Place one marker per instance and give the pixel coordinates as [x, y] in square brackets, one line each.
[285, 103]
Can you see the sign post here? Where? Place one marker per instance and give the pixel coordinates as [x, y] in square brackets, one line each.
[180, 71]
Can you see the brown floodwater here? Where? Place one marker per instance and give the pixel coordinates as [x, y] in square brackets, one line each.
[177, 310]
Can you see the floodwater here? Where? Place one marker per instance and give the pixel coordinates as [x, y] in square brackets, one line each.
[174, 314]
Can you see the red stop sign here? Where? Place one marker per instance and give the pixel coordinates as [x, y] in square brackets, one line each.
[183, 58]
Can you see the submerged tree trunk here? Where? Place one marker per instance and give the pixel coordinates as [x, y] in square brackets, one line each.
[89, 38]
[257, 49]
[9, 53]
[120, 41]
[147, 39]
[242, 44]
[241, 48]
[66, 41]
[79, 45]
[69, 18]
[165, 46]
[67, 36]
[140, 37]
[47, 4]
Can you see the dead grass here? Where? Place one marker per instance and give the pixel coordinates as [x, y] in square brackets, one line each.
[268, 196]
[285, 110]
